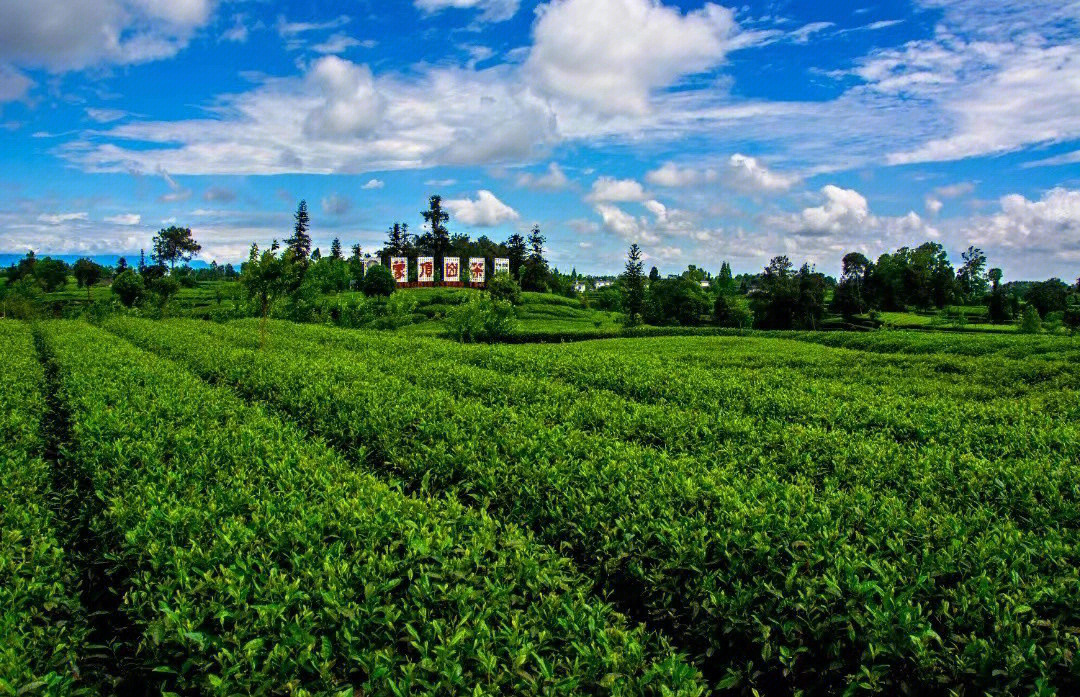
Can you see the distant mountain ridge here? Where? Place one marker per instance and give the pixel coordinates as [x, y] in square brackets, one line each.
[7, 260]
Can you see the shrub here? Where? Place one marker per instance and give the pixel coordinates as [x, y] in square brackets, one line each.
[379, 281]
[397, 312]
[502, 286]
[1030, 322]
[481, 319]
[128, 286]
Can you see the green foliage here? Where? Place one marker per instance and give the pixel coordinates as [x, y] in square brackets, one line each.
[173, 244]
[503, 287]
[783, 299]
[87, 273]
[51, 274]
[378, 281]
[901, 519]
[396, 312]
[299, 245]
[609, 299]
[251, 557]
[128, 287]
[1030, 322]
[534, 272]
[1047, 296]
[679, 301]
[633, 287]
[42, 626]
[731, 311]
[482, 318]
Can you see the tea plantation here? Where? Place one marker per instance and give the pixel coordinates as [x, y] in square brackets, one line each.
[335, 512]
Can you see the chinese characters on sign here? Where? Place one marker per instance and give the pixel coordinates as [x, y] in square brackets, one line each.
[476, 269]
[451, 269]
[502, 265]
[399, 266]
[425, 269]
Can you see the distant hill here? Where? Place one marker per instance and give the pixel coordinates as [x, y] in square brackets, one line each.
[7, 260]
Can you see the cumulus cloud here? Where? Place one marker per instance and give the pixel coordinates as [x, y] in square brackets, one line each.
[611, 54]
[671, 175]
[748, 174]
[337, 43]
[491, 10]
[373, 184]
[124, 219]
[609, 189]
[483, 211]
[350, 105]
[1049, 226]
[336, 204]
[626, 226]
[60, 35]
[933, 205]
[553, 180]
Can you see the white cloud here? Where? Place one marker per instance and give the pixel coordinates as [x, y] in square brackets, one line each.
[611, 189]
[337, 43]
[955, 190]
[492, 10]
[611, 54]
[748, 174]
[631, 229]
[238, 32]
[554, 180]
[287, 29]
[843, 210]
[60, 218]
[124, 219]
[336, 204]
[176, 193]
[933, 205]
[350, 106]
[215, 194]
[1069, 158]
[802, 34]
[1049, 227]
[373, 184]
[105, 115]
[61, 35]
[672, 176]
[483, 211]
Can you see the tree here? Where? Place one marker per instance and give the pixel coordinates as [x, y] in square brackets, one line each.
[397, 240]
[1030, 322]
[516, 252]
[730, 311]
[164, 287]
[87, 273]
[437, 237]
[300, 242]
[997, 305]
[379, 281]
[535, 273]
[850, 297]
[783, 299]
[128, 287]
[264, 278]
[51, 274]
[121, 265]
[725, 283]
[24, 269]
[173, 244]
[654, 274]
[1047, 296]
[503, 287]
[676, 301]
[335, 249]
[633, 286]
[970, 279]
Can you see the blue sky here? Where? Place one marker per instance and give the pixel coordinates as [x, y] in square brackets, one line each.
[702, 131]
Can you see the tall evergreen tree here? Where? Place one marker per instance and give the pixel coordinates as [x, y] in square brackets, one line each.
[300, 242]
[397, 239]
[516, 252]
[437, 238]
[335, 249]
[725, 282]
[535, 274]
[633, 286]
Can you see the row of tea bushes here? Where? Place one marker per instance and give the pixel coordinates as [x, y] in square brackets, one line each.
[782, 583]
[42, 627]
[257, 561]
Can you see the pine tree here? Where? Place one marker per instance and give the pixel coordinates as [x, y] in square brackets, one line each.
[335, 249]
[437, 239]
[535, 274]
[633, 283]
[300, 243]
[516, 251]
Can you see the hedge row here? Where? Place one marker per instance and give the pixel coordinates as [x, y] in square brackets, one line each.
[257, 561]
[42, 627]
[782, 583]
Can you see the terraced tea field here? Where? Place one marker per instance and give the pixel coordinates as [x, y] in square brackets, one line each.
[346, 512]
